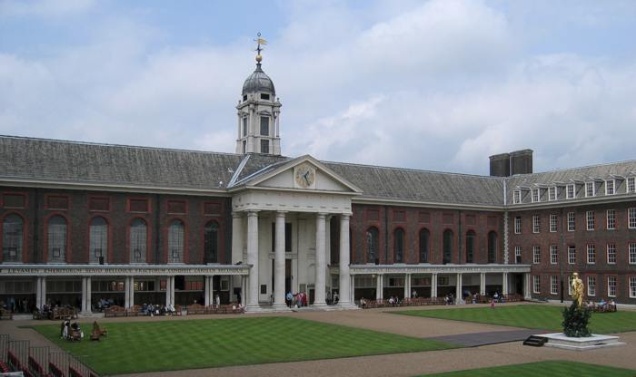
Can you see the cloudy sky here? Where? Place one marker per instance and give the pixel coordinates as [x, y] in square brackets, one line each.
[435, 85]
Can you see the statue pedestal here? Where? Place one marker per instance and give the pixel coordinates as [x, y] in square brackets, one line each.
[559, 340]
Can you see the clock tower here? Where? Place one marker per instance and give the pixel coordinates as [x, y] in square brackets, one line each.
[258, 112]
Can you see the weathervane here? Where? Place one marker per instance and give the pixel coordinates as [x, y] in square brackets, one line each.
[259, 42]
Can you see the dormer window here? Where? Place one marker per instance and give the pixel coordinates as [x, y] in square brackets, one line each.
[570, 191]
[631, 184]
[552, 193]
[610, 187]
[516, 197]
[265, 96]
[589, 189]
[536, 195]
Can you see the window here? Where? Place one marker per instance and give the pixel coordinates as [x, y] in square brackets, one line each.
[536, 224]
[425, 236]
[553, 223]
[536, 254]
[176, 242]
[589, 219]
[372, 245]
[536, 195]
[518, 225]
[516, 197]
[211, 242]
[611, 286]
[611, 219]
[12, 238]
[399, 245]
[611, 253]
[265, 146]
[591, 286]
[570, 191]
[571, 221]
[631, 218]
[470, 247]
[492, 247]
[591, 254]
[265, 96]
[138, 241]
[517, 254]
[244, 126]
[264, 126]
[632, 253]
[554, 254]
[632, 287]
[631, 184]
[554, 285]
[536, 284]
[98, 240]
[448, 246]
[610, 187]
[589, 189]
[552, 193]
[571, 254]
[57, 236]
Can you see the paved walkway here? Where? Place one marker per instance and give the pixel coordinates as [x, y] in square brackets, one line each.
[489, 345]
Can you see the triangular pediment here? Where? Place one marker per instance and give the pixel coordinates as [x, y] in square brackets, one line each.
[304, 173]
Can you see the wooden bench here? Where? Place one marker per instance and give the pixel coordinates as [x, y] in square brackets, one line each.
[63, 313]
[115, 311]
[6, 314]
[134, 311]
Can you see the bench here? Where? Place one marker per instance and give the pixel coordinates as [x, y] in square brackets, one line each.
[6, 314]
[115, 311]
[63, 313]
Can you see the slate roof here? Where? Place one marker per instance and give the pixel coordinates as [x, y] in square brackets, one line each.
[42, 161]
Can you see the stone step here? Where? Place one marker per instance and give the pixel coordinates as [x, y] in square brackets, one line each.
[535, 341]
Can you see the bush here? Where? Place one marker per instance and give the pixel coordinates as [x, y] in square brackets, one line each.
[575, 320]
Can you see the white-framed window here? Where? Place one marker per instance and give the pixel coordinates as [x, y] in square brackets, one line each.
[610, 187]
[518, 225]
[590, 189]
[591, 254]
[552, 193]
[571, 254]
[536, 254]
[554, 285]
[517, 254]
[631, 218]
[631, 184]
[611, 219]
[589, 220]
[591, 285]
[632, 253]
[536, 284]
[553, 223]
[632, 287]
[536, 195]
[571, 221]
[516, 197]
[611, 253]
[554, 254]
[611, 286]
[536, 224]
[570, 191]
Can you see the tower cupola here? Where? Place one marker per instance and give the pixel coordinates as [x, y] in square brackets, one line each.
[258, 111]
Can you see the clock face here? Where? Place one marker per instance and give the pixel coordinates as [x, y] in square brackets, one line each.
[305, 175]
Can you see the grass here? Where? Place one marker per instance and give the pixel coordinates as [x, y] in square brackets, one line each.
[136, 347]
[542, 317]
[541, 369]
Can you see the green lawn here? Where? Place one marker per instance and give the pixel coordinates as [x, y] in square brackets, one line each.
[542, 369]
[133, 347]
[531, 316]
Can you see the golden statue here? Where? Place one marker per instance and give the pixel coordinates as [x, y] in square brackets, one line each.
[577, 289]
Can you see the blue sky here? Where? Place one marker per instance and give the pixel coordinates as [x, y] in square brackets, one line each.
[434, 85]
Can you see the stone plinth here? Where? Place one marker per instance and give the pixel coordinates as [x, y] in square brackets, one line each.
[559, 340]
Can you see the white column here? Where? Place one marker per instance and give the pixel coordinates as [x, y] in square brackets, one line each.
[526, 286]
[130, 292]
[238, 237]
[379, 287]
[86, 295]
[40, 294]
[279, 262]
[504, 286]
[346, 286]
[458, 288]
[252, 260]
[482, 284]
[407, 285]
[434, 285]
[169, 290]
[321, 265]
[207, 290]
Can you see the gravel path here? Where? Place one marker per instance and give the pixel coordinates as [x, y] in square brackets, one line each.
[407, 365]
